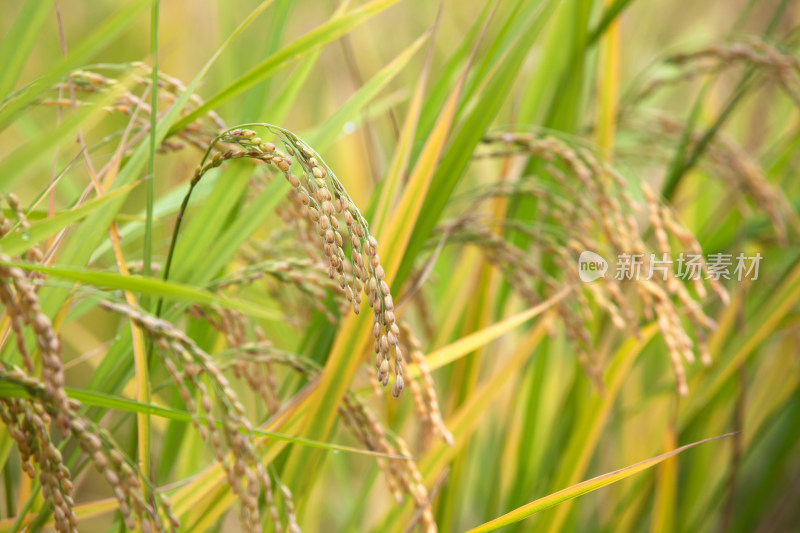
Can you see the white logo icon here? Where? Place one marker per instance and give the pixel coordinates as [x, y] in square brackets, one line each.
[591, 266]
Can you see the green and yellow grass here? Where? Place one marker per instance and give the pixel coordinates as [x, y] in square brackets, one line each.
[284, 266]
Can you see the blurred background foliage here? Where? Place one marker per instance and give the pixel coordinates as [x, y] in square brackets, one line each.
[718, 146]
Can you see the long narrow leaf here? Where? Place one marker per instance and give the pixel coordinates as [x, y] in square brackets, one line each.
[322, 137]
[18, 42]
[154, 287]
[319, 36]
[78, 55]
[584, 487]
[17, 243]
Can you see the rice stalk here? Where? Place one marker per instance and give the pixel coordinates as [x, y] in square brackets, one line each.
[593, 215]
[324, 199]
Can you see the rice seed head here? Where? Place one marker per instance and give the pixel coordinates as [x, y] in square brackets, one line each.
[326, 201]
[601, 202]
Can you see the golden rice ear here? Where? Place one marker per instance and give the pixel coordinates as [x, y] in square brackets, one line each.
[591, 203]
[196, 374]
[426, 401]
[318, 195]
[28, 421]
[79, 86]
[326, 202]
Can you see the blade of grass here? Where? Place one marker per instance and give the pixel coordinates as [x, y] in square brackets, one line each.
[459, 154]
[14, 166]
[592, 416]
[208, 495]
[448, 74]
[410, 207]
[584, 487]
[465, 421]
[549, 382]
[97, 399]
[85, 241]
[78, 56]
[140, 345]
[677, 165]
[147, 254]
[17, 243]
[280, 105]
[566, 107]
[117, 403]
[469, 343]
[283, 102]
[22, 512]
[322, 137]
[245, 224]
[784, 298]
[323, 34]
[463, 381]
[684, 162]
[82, 511]
[256, 100]
[610, 15]
[390, 185]
[19, 41]
[151, 286]
[608, 71]
[663, 519]
[204, 225]
[167, 204]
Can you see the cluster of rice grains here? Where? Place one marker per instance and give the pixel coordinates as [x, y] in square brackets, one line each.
[318, 209]
[234, 327]
[426, 402]
[219, 416]
[307, 276]
[232, 432]
[141, 513]
[135, 78]
[725, 159]
[779, 63]
[589, 208]
[401, 473]
[28, 420]
[18, 293]
[321, 198]
[28, 424]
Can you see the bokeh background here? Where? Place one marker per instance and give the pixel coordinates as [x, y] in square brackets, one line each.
[526, 419]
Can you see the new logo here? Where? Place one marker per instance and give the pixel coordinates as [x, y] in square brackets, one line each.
[591, 266]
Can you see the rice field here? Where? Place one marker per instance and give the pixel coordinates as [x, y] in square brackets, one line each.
[386, 265]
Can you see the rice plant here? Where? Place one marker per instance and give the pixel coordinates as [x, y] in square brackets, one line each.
[523, 265]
